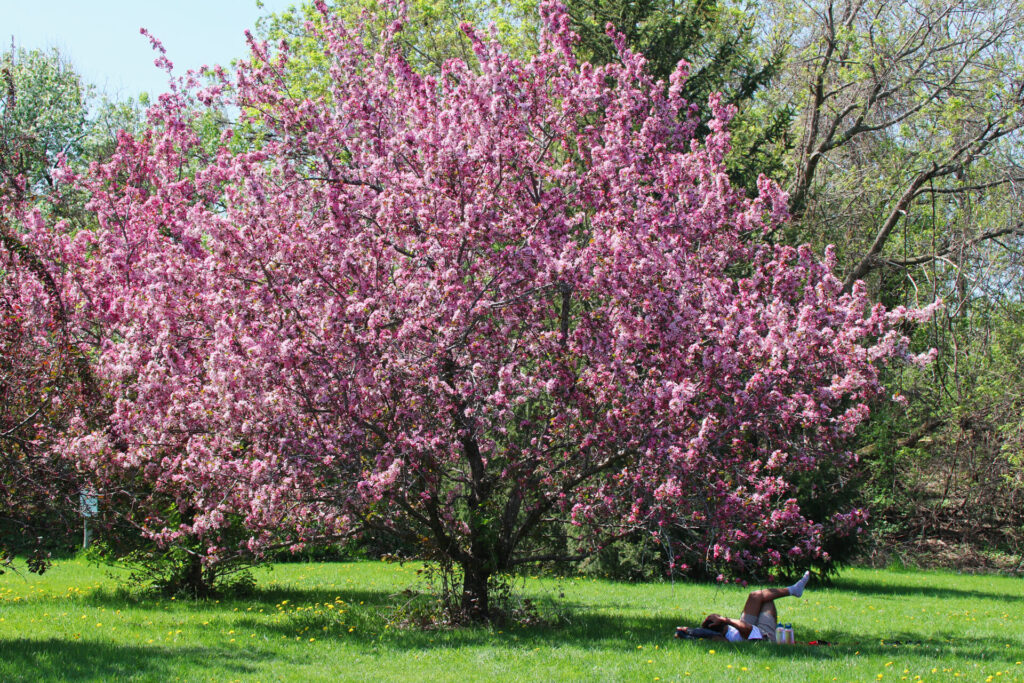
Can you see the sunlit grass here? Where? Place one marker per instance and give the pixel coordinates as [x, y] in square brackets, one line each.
[338, 622]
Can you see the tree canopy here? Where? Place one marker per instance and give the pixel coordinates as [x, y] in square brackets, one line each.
[466, 307]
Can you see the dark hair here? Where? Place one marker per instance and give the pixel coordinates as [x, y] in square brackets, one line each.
[713, 624]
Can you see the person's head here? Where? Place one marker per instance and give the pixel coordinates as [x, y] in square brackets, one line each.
[715, 622]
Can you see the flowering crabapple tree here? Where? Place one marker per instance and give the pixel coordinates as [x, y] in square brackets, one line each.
[42, 376]
[466, 309]
[38, 388]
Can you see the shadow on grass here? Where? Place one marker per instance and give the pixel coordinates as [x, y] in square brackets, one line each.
[23, 659]
[866, 587]
[568, 624]
[260, 597]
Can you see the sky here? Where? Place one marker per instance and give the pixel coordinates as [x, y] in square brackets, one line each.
[101, 37]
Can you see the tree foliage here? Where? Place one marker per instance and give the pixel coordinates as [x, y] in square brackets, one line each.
[719, 43]
[908, 111]
[465, 308]
[42, 115]
[909, 161]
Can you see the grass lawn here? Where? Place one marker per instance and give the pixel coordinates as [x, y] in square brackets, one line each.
[331, 622]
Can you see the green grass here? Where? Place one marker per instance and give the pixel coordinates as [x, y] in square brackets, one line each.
[73, 624]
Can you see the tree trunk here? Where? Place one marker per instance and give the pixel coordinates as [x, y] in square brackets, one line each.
[194, 581]
[474, 592]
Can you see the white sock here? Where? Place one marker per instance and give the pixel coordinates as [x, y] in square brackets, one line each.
[797, 589]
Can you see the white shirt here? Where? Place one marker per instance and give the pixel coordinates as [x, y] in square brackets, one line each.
[732, 634]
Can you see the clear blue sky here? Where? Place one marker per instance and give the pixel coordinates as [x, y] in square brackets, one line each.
[101, 37]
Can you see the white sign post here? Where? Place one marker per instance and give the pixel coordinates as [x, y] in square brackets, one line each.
[90, 506]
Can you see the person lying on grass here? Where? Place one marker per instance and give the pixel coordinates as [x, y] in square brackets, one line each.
[757, 622]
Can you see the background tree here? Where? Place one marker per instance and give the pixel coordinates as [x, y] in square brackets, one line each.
[432, 32]
[901, 102]
[44, 114]
[719, 41]
[909, 160]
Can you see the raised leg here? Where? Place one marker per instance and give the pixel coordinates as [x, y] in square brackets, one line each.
[764, 601]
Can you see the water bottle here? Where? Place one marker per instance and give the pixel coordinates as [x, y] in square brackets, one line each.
[790, 636]
[780, 635]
